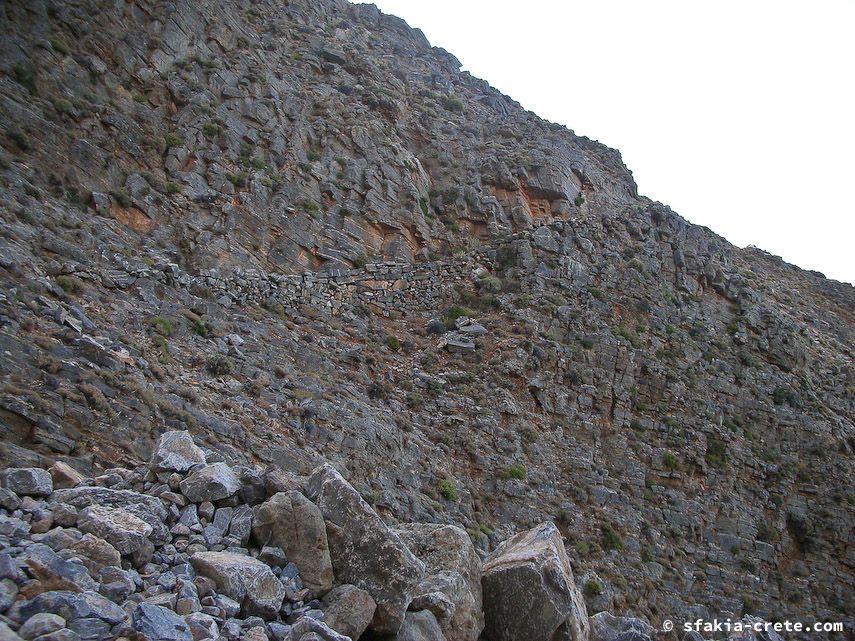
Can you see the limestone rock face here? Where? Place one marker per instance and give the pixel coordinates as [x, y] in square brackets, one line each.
[176, 452]
[292, 522]
[244, 579]
[454, 572]
[529, 593]
[364, 551]
[211, 483]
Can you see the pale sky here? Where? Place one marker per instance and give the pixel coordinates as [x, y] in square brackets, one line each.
[739, 114]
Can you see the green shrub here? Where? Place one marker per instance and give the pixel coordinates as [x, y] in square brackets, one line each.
[24, 76]
[172, 187]
[647, 554]
[593, 588]
[423, 204]
[516, 471]
[200, 328]
[452, 103]
[360, 261]
[211, 129]
[716, 453]
[219, 365]
[447, 490]
[62, 106]
[237, 179]
[670, 461]
[415, 401]
[610, 539]
[171, 140]
[452, 314]
[393, 343]
[313, 155]
[70, 284]
[579, 200]
[163, 326]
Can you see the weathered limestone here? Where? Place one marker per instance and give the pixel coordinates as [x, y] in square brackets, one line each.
[348, 610]
[176, 452]
[244, 579]
[529, 593]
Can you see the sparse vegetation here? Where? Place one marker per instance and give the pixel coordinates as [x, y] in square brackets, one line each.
[447, 490]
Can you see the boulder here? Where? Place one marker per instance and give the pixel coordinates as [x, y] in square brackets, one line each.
[364, 551]
[244, 579]
[348, 610]
[39, 624]
[157, 622]
[529, 592]
[27, 481]
[290, 521]
[452, 588]
[7, 634]
[420, 626]
[95, 553]
[308, 629]
[121, 529]
[607, 627]
[210, 483]
[74, 605]
[176, 452]
[144, 507]
[64, 476]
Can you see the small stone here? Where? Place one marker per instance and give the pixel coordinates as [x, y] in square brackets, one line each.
[64, 476]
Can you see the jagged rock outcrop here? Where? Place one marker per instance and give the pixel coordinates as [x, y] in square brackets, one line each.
[529, 592]
[364, 551]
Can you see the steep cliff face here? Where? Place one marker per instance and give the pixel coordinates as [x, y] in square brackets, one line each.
[682, 408]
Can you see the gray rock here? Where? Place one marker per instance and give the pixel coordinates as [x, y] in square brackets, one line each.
[9, 500]
[420, 626]
[121, 529]
[74, 605]
[244, 579]
[607, 627]
[27, 481]
[147, 508]
[364, 551]
[7, 634]
[202, 626]
[348, 610]
[454, 571]
[157, 622]
[308, 629]
[210, 483]
[8, 594]
[530, 573]
[176, 452]
[295, 524]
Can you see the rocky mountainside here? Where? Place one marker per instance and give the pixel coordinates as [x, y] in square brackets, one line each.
[298, 231]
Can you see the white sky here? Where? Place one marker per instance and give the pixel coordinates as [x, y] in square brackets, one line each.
[739, 114]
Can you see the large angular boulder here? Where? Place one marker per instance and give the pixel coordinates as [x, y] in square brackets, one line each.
[452, 588]
[364, 551]
[176, 452]
[529, 592]
[144, 507]
[210, 483]
[27, 481]
[348, 610]
[244, 579]
[121, 529]
[290, 521]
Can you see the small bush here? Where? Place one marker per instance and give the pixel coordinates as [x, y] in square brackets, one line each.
[647, 554]
[452, 314]
[610, 539]
[447, 490]
[593, 588]
[200, 328]
[171, 140]
[415, 401]
[211, 129]
[238, 179]
[313, 156]
[423, 204]
[24, 76]
[516, 471]
[172, 187]
[219, 365]
[716, 453]
[69, 284]
[670, 461]
[163, 326]
[452, 103]
[393, 343]
[579, 200]
[360, 261]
